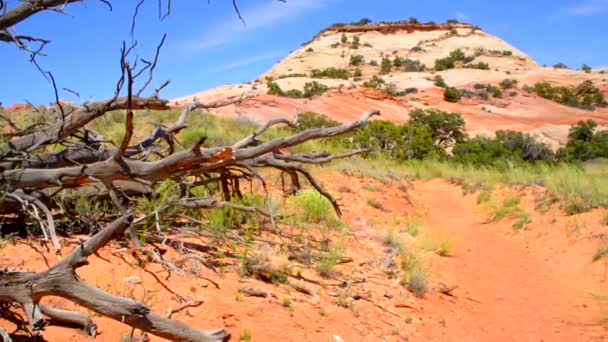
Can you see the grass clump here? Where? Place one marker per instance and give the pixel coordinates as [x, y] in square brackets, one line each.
[374, 203]
[601, 252]
[372, 188]
[440, 245]
[332, 258]
[310, 207]
[391, 238]
[510, 208]
[267, 264]
[246, 335]
[414, 274]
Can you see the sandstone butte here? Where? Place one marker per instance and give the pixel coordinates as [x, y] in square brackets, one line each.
[516, 110]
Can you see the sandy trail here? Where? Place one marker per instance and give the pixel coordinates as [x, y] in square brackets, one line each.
[524, 293]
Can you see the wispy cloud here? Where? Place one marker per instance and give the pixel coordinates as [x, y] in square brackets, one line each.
[246, 61]
[263, 15]
[462, 16]
[585, 8]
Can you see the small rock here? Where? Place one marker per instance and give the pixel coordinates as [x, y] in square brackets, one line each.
[133, 280]
[338, 338]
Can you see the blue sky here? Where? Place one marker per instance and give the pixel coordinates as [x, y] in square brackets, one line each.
[208, 46]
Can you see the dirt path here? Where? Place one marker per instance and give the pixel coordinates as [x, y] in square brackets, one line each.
[524, 293]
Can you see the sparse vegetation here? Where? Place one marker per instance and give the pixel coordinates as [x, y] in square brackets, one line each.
[439, 81]
[311, 89]
[586, 68]
[479, 65]
[331, 72]
[560, 66]
[450, 61]
[267, 264]
[452, 94]
[414, 273]
[585, 95]
[508, 83]
[246, 335]
[356, 42]
[386, 66]
[356, 60]
[440, 245]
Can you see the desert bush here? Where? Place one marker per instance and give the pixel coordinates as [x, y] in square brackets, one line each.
[585, 95]
[310, 207]
[413, 271]
[386, 66]
[560, 66]
[445, 128]
[585, 142]
[411, 65]
[330, 72]
[413, 21]
[440, 245]
[586, 68]
[373, 62]
[246, 336]
[439, 81]
[374, 203]
[508, 83]
[450, 61]
[452, 94]
[356, 60]
[344, 38]
[292, 75]
[307, 120]
[268, 264]
[479, 65]
[332, 258]
[356, 42]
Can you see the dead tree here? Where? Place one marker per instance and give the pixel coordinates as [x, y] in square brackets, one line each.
[31, 180]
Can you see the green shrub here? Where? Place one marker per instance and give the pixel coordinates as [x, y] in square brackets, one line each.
[451, 94]
[397, 142]
[585, 142]
[330, 73]
[560, 66]
[585, 94]
[307, 120]
[311, 207]
[355, 43]
[601, 252]
[414, 21]
[357, 73]
[439, 81]
[414, 274]
[356, 60]
[246, 336]
[450, 61]
[267, 264]
[445, 128]
[479, 65]
[586, 68]
[377, 205]
[508, 83]
[373, 62]
[344, 38]
[440, 245]
[411, 65]
[496, 92]
[398, 61]
[386, 67]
